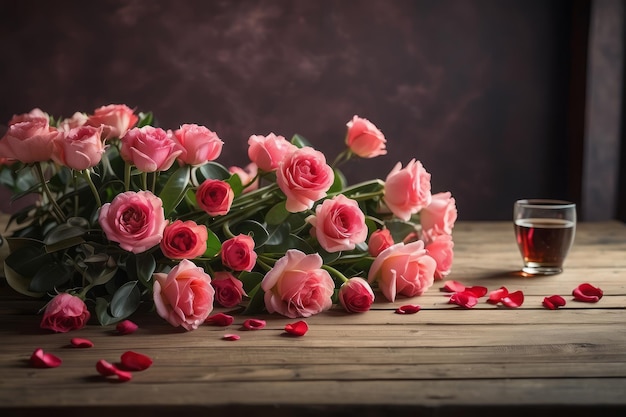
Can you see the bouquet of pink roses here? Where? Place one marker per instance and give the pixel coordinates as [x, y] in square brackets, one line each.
[128, 212]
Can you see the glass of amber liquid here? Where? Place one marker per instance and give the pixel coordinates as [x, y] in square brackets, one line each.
[545, 231]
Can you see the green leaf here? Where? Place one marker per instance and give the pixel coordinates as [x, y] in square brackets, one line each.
[100, 277]
[63, 232]
[277, 214]
[300, 141]
[50, 277]
[250, 280]
[28, 260]
[235, 184]
[19, 282]
[141, 267]
[256, 304]
[174, 189]
[126, 300]
[102, 312]
[339, 183]
[213, 245]
[399, 229]
[278, 234]
[254, 229]
[213, 170]
[145, 119]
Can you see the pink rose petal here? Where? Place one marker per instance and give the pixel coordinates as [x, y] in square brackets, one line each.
[553, 302]
[477, 291]
[496, 295]
[220, 319]
[81, 343]
[134, 361]
[105, 368]
[126, 327]
[254, 324]
[231, 337]
[298, 328]
[408, 309]
[40, 359]
[453, 286]
[587, 293]
[463, 299]
[513, 300]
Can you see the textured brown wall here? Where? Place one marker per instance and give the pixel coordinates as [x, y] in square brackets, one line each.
[477, 90]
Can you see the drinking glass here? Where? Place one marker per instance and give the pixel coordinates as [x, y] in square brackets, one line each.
[545, 231]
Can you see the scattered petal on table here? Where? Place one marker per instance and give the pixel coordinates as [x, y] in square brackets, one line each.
[553, 302]
[105, 368]
[254, 324]
[408, 309]
[126, 327]
[40, 359]
[477, 291]
[134, 361]
[453, 286]
[79, 342]
[298, 328]
[513, 300]
[496, 295]
[587, 293]
[463, 299]
[231, 337]
[220, 319]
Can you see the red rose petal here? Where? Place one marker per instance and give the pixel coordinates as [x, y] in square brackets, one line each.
[587, 293]
[220, 319]
[477, 291]
[254, 324]
[81, 343]
[123, 375]
[513, 300]
[298, 328]
[136, 361]
[463, 299]
[126, 327]
[453, 286]
[496, 295]
[408, 309]
[40, 359]
[231, 337]
[553, 302]
[105, 368]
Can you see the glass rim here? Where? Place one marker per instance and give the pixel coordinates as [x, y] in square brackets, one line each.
[545, 203]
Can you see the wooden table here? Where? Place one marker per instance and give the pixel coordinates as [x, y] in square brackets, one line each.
[442, 361]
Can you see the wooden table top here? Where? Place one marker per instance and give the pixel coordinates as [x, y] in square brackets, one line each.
[444, 360]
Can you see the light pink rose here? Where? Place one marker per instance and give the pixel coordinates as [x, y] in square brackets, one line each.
[407, 190]
[228, 289]
[248, 176]
[267, 151]
[29, 141]
[365, 139]
[338, 224]
[439, 216]
[379, 241]
[403, 270]
[65, 312]
[184, 240]
[79, 148]
[297, 286]
[134, 219]
[77, 120]
[116, 119]
[215, 197]
[34, 114]
[198, 144]
[184, 296]
[441, 250]
[238, 253]
[356, 295]
[149, 148]
[304, 177]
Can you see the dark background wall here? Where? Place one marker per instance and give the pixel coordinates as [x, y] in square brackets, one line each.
[487, 94]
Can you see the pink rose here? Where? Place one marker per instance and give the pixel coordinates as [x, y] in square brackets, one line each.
[379, 241]
[116, 119]
[407, 190]
[228, 290]
[439, 216]
[184, 296]
[403, 270]
[149, 148]
[184, 240]
[364, 139]
[441, 250]
[134, 219]
[34, 114]
[198, 144]
[29, 141]
[77, 120]
[238, 253]
[338, 224]
[356, 295]
[79, 148]
[297, 286]
[267, 151]
[304, 177]
[65, 312]
[215, 197]
[248, 176]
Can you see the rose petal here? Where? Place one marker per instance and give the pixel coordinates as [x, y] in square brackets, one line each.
[81, 343]
[134, 361]
[220, 319]
[231, 337]
[254, 324]
[513, 300]
[553, 302]
[587, 293]
[477, 291]
[126, 327]
[298, 328]
[496, 295]
[408, 309]
[463, 299]
[105, 368]
[453, 286]
[40, 359]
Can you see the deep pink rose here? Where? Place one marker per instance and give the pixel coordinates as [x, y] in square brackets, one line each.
[356, 295]
[184, 296]
[228, 290]
[441, 250]
[149, 148]
[297, 286]
[116, 119]
[35, 113]
[248, 176]
[379, 241]
[403, 270]
[267, 151]
[77, 120]
[364, 139]
[134, 219]
[198, 144]
[184, 240]
[238, 253]
[79, 148]
[338, 224]
[304, 177]
[29, 141]
[407, 190]
[439, 216]
[215, 197]
[65, 312]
